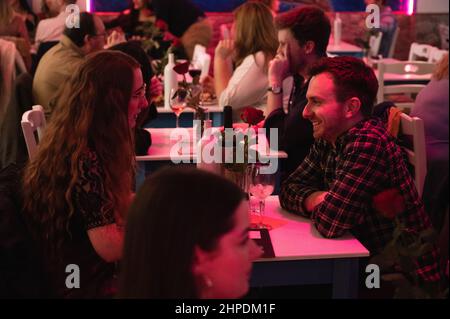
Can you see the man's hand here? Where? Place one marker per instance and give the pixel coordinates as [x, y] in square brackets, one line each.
[313, 200]
[279, 67]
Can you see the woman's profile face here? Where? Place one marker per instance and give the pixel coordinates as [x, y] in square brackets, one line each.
[138, 101]
[228, 266]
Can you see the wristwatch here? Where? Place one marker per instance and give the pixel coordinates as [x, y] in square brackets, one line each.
[275, 89]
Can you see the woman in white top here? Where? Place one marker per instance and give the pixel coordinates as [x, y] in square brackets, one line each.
[253, 45]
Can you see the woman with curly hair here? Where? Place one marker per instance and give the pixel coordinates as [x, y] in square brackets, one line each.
[78, 187]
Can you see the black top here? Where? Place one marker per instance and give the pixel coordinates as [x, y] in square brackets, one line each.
[295, 133]
[92, 209]
[178, 14]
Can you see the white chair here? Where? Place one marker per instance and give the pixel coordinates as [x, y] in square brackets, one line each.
[401, 68]
[32, 121]
[419, 52]
[374, 44]
[417, 156]
[436, 55]
[393, 43]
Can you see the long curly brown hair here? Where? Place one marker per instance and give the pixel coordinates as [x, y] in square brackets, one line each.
[91, 113]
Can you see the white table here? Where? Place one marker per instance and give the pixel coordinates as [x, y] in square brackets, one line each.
[344, 49]
[161, 147]
[303, 256]
[162, 150]
[392, 78]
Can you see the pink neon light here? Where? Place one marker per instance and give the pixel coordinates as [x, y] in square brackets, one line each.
[410, 8]
[88, 5]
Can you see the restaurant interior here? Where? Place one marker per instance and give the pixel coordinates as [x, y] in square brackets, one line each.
[224, 149]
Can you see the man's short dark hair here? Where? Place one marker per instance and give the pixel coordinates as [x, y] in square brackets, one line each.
[307, 24]
[87, 27]
[351, 78]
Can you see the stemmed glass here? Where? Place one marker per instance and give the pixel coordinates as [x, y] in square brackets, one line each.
[178, 101]
[262, 183]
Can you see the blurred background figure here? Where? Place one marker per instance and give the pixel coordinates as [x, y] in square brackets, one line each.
[61, 61]
[132, 19]
[186, 22]
[272, 4]
[11, 23]
[13, 28]
[51, 29]
[78, 187]
[432, 106]
[187, 237]
[253, 44]
[22, 8]
[388, 25]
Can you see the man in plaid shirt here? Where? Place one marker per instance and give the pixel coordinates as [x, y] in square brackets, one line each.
[353, 159]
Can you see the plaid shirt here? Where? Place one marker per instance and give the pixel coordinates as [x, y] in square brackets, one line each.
[364, 162]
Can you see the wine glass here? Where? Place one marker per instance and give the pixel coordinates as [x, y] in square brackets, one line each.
[262, 184]
[178, 101]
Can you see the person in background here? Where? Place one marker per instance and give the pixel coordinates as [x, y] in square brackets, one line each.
[45, 12]
[11, 24]
[253, 45]
[388, 25]
[22, 8]
[78, 187]
[353, 161]
[13, 29]
[432, 107]
[166, 257]
[142, 137]
[131, 19]
[185, 21]
[62, 60]
[51, 29]
[272, 4]
[303, 36]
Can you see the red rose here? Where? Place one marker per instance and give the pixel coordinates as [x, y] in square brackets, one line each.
[389, 203]
[176, 43]
[182, 68]
[160, 24]
[252, 116]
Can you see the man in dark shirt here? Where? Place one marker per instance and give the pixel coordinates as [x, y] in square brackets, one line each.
[303, 36]
[352, 160]
[185, 21]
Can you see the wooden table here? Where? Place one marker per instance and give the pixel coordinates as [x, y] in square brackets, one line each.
[304, 257]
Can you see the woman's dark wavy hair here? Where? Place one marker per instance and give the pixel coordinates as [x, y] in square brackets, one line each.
[176, 210]
[91, 113]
